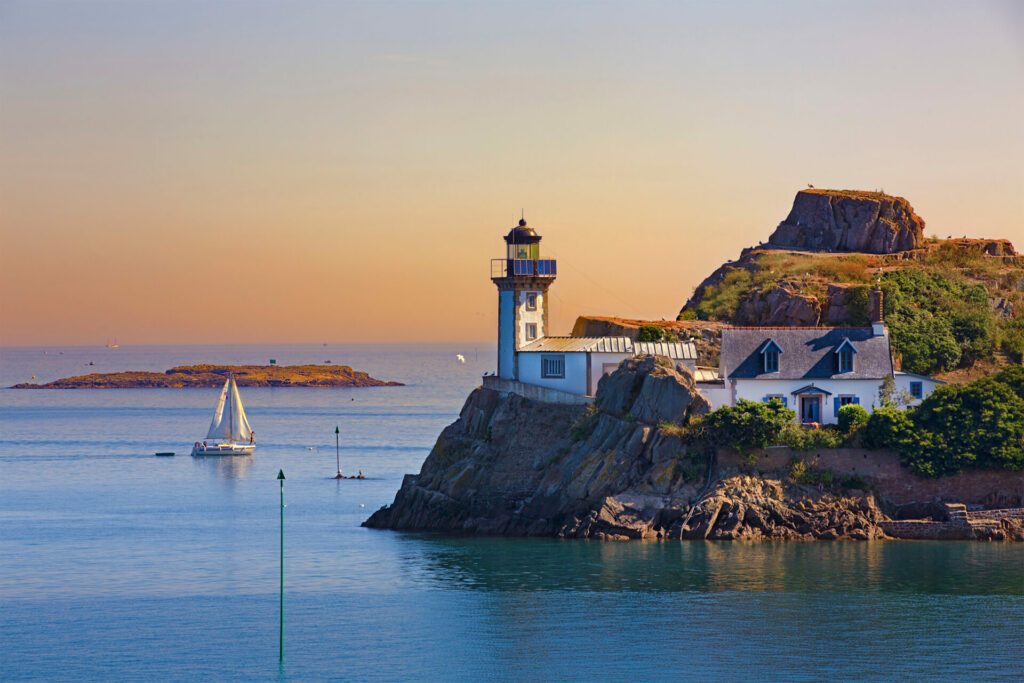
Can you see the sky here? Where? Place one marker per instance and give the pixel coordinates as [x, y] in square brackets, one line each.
[288, 172]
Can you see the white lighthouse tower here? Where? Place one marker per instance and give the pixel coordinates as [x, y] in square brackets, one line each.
[522, 278]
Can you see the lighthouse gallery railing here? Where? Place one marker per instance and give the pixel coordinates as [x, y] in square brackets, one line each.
[506, 267]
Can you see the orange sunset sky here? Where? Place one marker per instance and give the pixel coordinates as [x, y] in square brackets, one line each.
[227, 172]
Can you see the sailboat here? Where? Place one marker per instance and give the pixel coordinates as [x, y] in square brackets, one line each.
[230, 433]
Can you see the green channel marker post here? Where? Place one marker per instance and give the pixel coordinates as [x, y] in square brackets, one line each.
[280, 641]
[337, 451]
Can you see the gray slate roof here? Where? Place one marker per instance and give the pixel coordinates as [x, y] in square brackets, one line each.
[807, 352]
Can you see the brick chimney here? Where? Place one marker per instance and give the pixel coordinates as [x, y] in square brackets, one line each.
[876, 299]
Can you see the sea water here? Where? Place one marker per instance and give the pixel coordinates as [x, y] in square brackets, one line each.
[118, 565]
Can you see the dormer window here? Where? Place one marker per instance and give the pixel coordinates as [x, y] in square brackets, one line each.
[844, 357]
[770, 356]
[845, 361]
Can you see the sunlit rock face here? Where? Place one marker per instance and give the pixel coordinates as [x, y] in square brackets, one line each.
[849, 220]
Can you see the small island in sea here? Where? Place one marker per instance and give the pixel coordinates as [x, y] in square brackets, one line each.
[203, 376]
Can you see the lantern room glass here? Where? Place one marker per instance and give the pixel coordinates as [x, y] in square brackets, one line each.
[524, 251]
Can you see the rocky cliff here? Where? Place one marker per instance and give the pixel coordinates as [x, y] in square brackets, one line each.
[618, 470]
[849, 220]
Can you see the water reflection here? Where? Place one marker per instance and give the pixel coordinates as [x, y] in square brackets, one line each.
[544, 564]
[228, 468]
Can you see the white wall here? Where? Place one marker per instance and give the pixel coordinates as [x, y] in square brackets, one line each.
[597, 363]
[575, 380]
[718, 395]
[526, 316]
[928, 385]
[506, 334]
[757, 389]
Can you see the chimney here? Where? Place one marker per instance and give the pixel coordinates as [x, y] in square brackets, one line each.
[876, 299]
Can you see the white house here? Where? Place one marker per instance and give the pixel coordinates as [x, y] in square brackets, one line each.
[815, 370]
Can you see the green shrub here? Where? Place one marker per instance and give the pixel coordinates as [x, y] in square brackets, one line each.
[852, 418]
[888, 427]
[745, 426]
[1011, 337]
[801, 438]
[649, 333]
[926, 343]
[938, 319]
[980, 424]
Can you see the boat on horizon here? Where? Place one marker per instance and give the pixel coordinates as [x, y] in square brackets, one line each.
[230, 432]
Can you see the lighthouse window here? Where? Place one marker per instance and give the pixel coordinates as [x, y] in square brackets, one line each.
[552, 366]
[531, 331]
[531, 301]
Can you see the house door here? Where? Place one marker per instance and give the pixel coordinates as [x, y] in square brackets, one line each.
[810, 408]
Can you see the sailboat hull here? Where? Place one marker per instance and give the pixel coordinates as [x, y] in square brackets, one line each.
[224, 449]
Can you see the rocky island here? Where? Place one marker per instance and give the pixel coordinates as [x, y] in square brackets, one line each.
[202, 376]
[649, 457]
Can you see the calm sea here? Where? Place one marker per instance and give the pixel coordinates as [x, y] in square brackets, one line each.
[117, 565]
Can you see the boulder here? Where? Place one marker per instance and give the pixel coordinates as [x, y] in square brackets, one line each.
[850, 220]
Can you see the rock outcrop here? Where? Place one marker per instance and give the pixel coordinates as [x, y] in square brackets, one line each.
[197, 376]
[848, 220]
[782, 305]
[616, 470]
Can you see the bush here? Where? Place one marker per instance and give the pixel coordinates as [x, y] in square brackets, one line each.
[745, 426]
[980, 424]
[926, 343]
[852, 418]
[888, 427]
[938, 320]
[1011, 338]
[649, 333]
[801, 438]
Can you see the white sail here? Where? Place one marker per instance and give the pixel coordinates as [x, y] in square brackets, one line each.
[230, 425]
[219, 427]
[240, 429]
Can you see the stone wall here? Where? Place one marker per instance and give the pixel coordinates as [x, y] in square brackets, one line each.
[890, 480]
[927, 531]
[1006, 513]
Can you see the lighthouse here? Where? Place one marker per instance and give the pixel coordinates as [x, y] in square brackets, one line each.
[522, 278]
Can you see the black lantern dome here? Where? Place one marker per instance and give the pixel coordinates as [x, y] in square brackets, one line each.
[522, 234]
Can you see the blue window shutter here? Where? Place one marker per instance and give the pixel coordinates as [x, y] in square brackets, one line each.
[785, 402]
[835, 406]
[856, 400]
